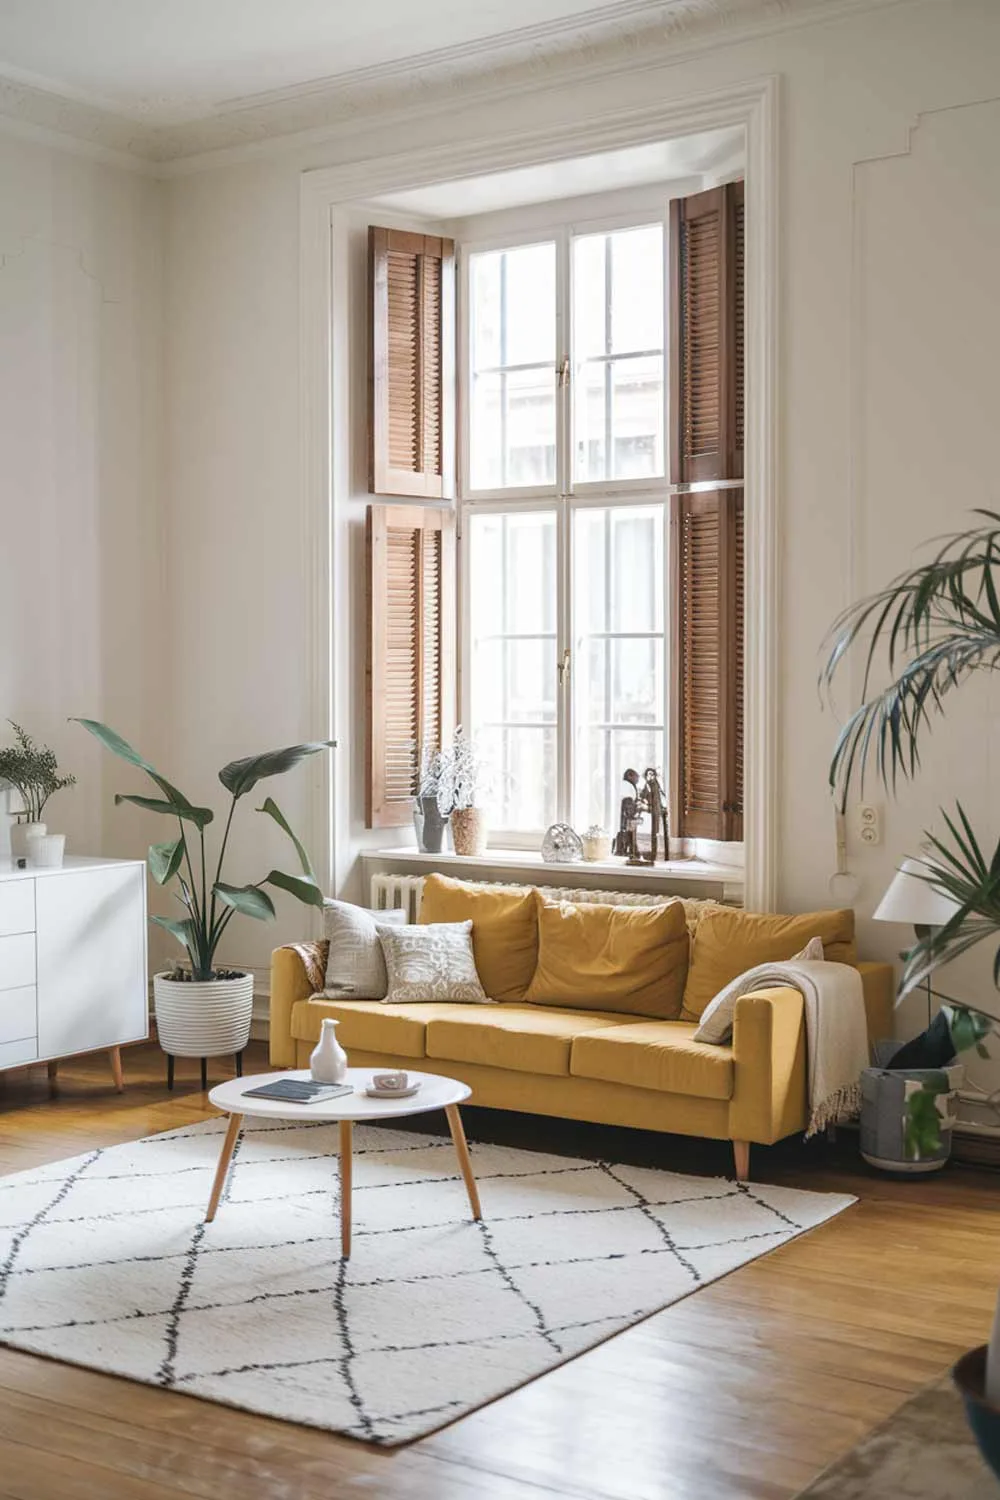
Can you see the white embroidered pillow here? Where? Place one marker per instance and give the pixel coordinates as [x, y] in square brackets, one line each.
[716, 1024]
[432, 961]
[355, 967]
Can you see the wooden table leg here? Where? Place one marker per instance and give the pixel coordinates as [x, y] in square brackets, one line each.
[346, 1142]
[115, 1055]
[462, 1152]
[225, 1157]
[52, 1069]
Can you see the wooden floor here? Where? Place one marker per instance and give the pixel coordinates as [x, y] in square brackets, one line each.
[745, 1389]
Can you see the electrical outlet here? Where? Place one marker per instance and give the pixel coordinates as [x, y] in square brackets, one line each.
[869, 824]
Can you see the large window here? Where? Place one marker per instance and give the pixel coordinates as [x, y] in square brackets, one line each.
[564, 534]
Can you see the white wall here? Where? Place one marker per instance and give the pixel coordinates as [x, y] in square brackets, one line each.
[879, 127]
[80, 582]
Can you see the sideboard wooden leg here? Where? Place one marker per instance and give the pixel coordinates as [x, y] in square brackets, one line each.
[115, 1055]
[52, 1069]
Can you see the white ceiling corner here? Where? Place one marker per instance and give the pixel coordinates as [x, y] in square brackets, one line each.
[166, 83]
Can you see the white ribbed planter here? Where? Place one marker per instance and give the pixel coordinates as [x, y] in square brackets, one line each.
[205, 1018]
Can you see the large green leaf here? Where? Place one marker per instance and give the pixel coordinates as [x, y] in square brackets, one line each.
[113, 741]
[200, 816]
[302, 887]
[183, 931]
[241, 776]
[274, 811]
[246, 899]
[164, 860]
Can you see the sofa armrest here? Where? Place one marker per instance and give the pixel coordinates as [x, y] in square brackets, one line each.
[769, 1065]
[294, 973]
[879, 984]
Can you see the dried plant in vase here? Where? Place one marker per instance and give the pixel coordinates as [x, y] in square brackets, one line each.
[464, 782]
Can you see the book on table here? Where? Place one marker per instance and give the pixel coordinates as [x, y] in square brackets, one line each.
[299, 1091]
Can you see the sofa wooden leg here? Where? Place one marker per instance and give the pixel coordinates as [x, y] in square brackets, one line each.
[741, 1158]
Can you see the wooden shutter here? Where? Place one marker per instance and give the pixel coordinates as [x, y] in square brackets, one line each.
[411, 652]
[707, 423]
[411, 388]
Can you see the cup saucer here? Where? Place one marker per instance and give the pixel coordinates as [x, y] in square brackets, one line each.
[374, 1093]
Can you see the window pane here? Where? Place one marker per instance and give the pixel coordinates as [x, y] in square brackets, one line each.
[512, 426]
[618, 341]
[618, 631]
[512, 612]
[636, 289]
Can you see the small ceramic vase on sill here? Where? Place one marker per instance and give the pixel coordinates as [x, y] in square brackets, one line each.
[328, 1063]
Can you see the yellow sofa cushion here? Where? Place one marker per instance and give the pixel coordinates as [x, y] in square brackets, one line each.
[727, 942]
[659, 1055]
[504, 930]
[618, 958]
[370, 1025]
[522, 1038]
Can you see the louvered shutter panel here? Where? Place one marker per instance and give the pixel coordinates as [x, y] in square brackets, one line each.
[411, 652]
[707, 422]
[411, 419]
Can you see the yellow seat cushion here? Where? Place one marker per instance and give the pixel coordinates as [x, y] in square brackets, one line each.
[370, 1025]
[504, 930]
[727, 942]
[618, 958]
[659, 1055]
[522, 1038]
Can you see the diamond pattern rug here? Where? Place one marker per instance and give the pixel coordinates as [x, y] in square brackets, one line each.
[105, 1262]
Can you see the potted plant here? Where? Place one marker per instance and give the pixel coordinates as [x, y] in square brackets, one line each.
[934, 627]
[463, 780]
[204, 1010]
[32, 770]
[429, 820]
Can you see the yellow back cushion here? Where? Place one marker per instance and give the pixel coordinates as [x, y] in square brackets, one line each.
[727, 942]
[619, 958]
[504, 930]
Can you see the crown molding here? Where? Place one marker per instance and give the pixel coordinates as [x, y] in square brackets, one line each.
[620, 36]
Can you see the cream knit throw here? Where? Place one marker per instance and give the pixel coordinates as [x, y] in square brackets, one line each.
[836, 1029]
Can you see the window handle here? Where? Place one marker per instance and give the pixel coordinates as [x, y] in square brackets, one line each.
[562, 372]
[562, 667]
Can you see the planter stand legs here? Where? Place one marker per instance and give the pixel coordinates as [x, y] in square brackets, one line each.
[238, 1059]
[170, 1070]
[204, 1074]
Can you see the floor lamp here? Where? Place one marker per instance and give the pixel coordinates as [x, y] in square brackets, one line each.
[912, 898]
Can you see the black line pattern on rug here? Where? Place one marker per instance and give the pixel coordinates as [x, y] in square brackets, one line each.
[747, 1192]
[644, 1205]
[21, 1237]
[508, 1280]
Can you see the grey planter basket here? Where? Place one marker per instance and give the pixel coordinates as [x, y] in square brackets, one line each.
[884, 1095]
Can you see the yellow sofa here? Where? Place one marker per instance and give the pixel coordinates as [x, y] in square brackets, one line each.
[602, 1065]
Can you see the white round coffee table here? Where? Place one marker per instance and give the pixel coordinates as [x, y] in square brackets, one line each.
[435, 1092]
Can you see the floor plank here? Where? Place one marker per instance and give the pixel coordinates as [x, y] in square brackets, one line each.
[740, 1392]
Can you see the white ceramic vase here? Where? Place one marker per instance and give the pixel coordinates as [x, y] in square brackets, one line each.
[328, 1062]
[46, 850]
[203, 1018]
[20, 834]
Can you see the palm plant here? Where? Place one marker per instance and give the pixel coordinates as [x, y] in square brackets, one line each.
[933, 627]
[211, 902]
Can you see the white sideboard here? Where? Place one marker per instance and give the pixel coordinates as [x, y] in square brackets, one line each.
[73, 975]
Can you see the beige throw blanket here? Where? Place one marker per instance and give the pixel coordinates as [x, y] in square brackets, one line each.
[836, 1030]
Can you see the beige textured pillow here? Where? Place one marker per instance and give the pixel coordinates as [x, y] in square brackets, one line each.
[431, 962]
[355, 967]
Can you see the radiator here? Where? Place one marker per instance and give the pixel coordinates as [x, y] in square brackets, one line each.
[403, 891]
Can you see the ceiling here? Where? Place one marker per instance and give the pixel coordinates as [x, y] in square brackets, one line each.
[717, 152]
[164, 80]
[165, 62]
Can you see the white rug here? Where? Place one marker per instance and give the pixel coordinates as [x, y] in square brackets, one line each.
[105, 1262]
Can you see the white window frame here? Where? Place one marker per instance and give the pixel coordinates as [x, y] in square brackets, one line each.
[566, 496]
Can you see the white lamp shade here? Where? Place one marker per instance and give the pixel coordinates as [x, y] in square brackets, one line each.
[911, 898]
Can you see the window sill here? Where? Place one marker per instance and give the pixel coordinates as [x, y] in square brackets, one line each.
[612, 872]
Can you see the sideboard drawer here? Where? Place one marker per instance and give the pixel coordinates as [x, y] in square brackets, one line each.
[13, 1053]
[17, 961]
[18, 1014]
[17, 906]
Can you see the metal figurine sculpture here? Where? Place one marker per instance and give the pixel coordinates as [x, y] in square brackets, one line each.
[647, 797]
